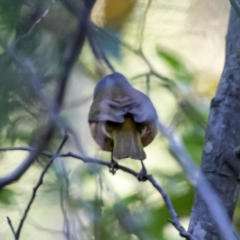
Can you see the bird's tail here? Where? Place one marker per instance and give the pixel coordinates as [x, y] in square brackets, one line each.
[127, 141]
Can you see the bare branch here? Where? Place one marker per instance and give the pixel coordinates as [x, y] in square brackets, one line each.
[96, 47]
[70, 58]
[64, 194]
[150, 178]
[27, 149]
[29, 32]
[143, 23]
[73, 52]
[11, 226]
[217, 210]
[39, 183]
[166, 82]
[175, 221]
[39, 147]
[180, 153]
[34, 76]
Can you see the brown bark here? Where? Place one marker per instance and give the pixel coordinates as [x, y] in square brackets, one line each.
[222, 136]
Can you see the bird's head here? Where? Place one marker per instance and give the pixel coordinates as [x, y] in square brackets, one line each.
[111, 81]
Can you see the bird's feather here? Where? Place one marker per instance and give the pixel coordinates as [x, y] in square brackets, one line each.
[127, 141]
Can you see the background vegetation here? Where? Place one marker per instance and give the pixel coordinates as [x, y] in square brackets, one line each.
[169, 50]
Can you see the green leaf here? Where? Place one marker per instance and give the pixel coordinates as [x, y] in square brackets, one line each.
[136, 197]
[159, 216]
[176, 65]
[6, 196]
[170, 59]
[9, 13]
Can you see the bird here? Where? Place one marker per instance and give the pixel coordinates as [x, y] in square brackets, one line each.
[122, 119]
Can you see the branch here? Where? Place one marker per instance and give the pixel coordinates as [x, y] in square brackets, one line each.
[96, 47]
[64, 194]
[73, 52]
[70, 58]
[143, 23]
[29, 32]
[22, 168]
[236, 6]
[11, 226]
[138, 52]
[175, 221]
[39, 183]
[217, 211]
[166, 82]
[206, 192]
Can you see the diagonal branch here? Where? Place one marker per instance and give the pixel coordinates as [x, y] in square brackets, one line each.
[70, 59]
[29, 32]
[175, 220]
[39, 183]
[236, 6]
[22, 168]
[178, 150]
[222, 136]
[206, 192]
[11, 226]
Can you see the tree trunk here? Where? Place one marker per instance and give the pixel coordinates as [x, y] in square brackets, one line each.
[219, 163]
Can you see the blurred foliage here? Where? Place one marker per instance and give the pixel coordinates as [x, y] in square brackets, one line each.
[178, 68]
[115, 13]
[6, 196]
[91, 214]
[19, 102]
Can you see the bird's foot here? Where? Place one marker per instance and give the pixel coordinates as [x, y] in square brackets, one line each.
[113, 167]
[142, 175]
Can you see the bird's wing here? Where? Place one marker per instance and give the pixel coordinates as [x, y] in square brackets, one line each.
[108, 110]
[142, 108]
[135, 102]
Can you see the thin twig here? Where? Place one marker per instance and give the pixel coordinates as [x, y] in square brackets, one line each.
[39, 183]
[11, 226]
[209, 196]
[64, 190]
[147, 85]
[29, 32]
[117, 166]
[22, 168]
[27, 149]
[96, 47]
[33, 74]
[69, 60]
[175, 221]
[166, 82]
[139, 53]
[144, 23]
